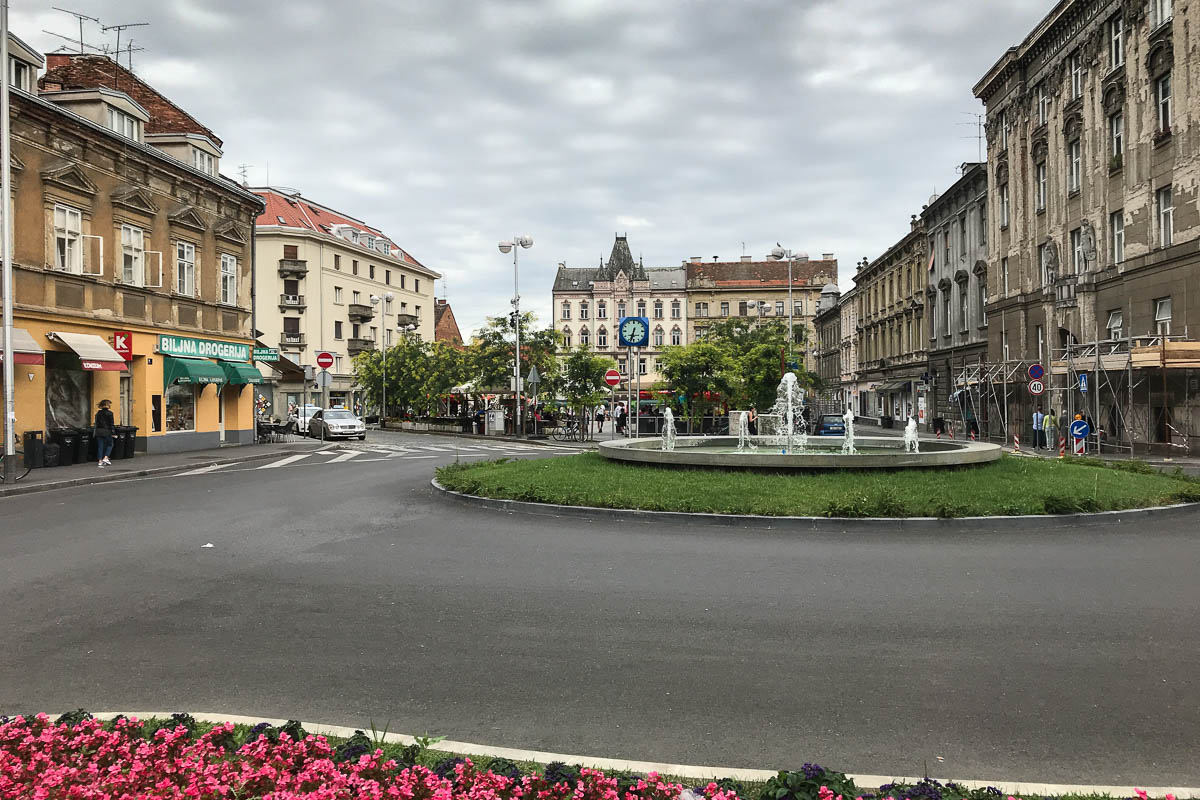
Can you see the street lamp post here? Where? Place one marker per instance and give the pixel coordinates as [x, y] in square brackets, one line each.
[506, 247]
[778, 254]
[10, 416]
[387, 301]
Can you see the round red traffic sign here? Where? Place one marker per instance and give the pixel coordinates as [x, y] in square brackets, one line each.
[324, 360]
[1036, 372]
[1036, 387]
[612, 377]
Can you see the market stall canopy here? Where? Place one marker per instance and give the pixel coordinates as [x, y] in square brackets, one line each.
[26, 350]
[191, 371]
[240, 374]
[94, 353]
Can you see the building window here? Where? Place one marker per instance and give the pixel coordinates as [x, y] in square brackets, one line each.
[68, 231]
[1166, 216]
[20, 75]
[1162, 100]
[1116, 224]
[620, 309]
[229, 267]
[417, 312]
[676, 336]
[585, 338]
[387, 276]
[356, 298]
[1077, 265]
[1041, 342]
[1043, 104]
[185, 269]
[403, 280]
[982, 300]
[1162, 12]
[641, 366]
[204, 161]
[337, 261]
[701, 309]
[123, 124]
[641, 308]
[1004, 207]
[779, 308]
[566, 338]
[133, 242]
[1116, 134]
[583, 310]
[1004, 274]
[676, 309]
[1116, 42]
[962, 307]
[354, 266]
[725, 308]
[601, 310]
[337, 295]
[337, 362]
[180, 402]
[621, 365]
[566, 311]
[1076, 76]
[1162, 316]
[602, 338]
[1044, 264]
[658, 309]
[1040, 177]
[1004, 344]
[371, 271]
[355, 330]
[947, 321]
[416, 284]
[1116, 324]
[337, 329]
[1004, 130]
[658, 337]
[1074, 157]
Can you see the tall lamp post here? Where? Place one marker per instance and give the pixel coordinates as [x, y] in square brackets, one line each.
[387, 301]
[507, 247]
[10, 416]
[778, 254]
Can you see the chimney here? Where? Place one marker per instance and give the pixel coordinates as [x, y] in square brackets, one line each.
[716, 259]
[827, 256]
[747, 258]
[695, 259]
[57, 60]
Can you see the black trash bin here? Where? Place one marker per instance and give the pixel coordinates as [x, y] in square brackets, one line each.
[130, 440]
[34, 445]
[68, 442]
[50, 454]
[85, 450]
[118, 449]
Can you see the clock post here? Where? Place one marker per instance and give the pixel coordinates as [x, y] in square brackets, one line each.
[634, 333]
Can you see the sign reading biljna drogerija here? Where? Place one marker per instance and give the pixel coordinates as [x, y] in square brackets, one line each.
[203, 348]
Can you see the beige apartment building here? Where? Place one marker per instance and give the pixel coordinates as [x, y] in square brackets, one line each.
[132, 260]
[328, 282]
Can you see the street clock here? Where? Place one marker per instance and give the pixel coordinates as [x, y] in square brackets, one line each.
[634, 332]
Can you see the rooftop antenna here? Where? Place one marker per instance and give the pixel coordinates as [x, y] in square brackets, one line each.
[243, 170]
[81, 18]
[78, 42]
[978, 124]
[129, 51]
[118, 29]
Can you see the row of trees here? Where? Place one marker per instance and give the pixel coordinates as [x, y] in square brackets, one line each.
[739, 362]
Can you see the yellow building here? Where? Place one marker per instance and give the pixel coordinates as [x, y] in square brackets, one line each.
[132, 263]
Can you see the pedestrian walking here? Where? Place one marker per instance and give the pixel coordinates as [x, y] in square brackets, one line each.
[600, 419]
[1048, 433]
[1038, 434]
[103, 433]
[622, 418]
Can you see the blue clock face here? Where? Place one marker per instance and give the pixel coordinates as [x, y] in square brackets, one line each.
[634, 332]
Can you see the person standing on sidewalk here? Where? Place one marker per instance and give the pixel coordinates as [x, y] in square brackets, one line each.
[103, 432]
[1048, 432]
[1038, 434]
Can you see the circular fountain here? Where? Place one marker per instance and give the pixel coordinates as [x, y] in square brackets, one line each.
[785, 443]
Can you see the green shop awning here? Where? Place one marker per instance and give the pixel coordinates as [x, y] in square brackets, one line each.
[191, 371]
[240, 374]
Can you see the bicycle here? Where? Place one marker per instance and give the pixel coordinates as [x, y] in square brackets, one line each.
[568, 431]
[23, 467]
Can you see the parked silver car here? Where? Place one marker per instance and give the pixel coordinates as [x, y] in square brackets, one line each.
[336, 423]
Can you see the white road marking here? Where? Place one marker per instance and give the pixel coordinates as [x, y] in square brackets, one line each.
[342, 457]
[283, 462]
[203, 470]
[419, 457]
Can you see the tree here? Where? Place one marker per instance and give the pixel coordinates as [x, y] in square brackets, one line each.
[754, 344]
[702, 373]
[490, 356]
[582, 382]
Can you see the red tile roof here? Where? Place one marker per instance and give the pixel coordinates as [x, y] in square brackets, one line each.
[293, 211]
[758, 274]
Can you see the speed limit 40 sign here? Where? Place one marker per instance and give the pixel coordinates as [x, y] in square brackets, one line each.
[1036, 387]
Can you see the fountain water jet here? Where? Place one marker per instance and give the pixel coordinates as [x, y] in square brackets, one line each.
[789, 408]
[668, 434]
[911, 442]
[848, 439]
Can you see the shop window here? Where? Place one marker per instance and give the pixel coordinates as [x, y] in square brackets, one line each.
[68, 392]
[156, 413]
[181, 408]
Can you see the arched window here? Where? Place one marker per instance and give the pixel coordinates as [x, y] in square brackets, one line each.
[641, 308]
[602, 338]
[566, 338]
[658, 336]
[585, 338]
[583, 309]
[658, 309]
[601, 310]
[676, 336]
[620, 309]
[566, 310]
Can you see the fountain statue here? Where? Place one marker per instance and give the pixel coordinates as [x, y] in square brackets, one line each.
[911, 443]
[848, 439]
[668, 434]
[789, 408]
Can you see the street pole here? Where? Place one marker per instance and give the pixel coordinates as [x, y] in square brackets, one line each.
[517, 423]
[383, 411]
[791, 310]
[10, 416]
[637, 419]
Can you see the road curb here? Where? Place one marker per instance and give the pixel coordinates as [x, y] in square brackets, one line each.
[109, 477]
[483, 436]
[673, 770]
[1038, 522]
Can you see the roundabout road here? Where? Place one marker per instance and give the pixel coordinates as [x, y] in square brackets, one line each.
[349, 593]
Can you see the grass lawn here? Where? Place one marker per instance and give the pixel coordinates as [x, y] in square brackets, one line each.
[1012, 485]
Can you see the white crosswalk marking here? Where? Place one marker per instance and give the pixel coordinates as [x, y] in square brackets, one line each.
[283, 462]
[342, 457]
[204, 470]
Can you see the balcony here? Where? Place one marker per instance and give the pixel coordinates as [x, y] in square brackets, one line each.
[356, 346]
[360, 312]
[292, 268]
[404, 320]
[292, 340]
[294, 302]
[1064, 291]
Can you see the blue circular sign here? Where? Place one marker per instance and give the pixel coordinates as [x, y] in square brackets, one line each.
[1080, 429]
[1036, 371]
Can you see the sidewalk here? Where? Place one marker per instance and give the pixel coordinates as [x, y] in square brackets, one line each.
[41, 480]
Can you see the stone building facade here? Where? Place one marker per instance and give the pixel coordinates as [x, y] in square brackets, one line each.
[892, 329]
[1094, 164]
[848, 361]
[827, 342]
[133, 260]
[956, 227]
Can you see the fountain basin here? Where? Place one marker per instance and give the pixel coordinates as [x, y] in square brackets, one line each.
[874, 452]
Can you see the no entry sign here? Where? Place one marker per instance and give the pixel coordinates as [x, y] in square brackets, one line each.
[324, 360]
[612, 377]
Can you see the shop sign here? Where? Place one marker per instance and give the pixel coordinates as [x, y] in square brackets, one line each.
[188, 347]
[266, 353]
[123, 344]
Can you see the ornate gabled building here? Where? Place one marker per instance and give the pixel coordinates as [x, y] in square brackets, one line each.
[1092, 152]
[589, 303]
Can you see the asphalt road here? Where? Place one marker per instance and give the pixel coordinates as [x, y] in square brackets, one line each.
[348, 593]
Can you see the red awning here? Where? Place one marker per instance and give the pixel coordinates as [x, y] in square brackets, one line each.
[25, 349]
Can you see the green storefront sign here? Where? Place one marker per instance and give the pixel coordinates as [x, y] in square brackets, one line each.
[266, 354]
[187, 347]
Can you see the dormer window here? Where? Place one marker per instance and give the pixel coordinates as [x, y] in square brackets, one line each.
[204, 161]
[124, 124]
[20, 75]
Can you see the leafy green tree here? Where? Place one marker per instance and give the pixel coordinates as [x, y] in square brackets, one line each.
[582, 382]
[490, 355]
[755, 345]
[702, 372]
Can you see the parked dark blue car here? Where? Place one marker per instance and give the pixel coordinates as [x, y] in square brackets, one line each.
[831, 425]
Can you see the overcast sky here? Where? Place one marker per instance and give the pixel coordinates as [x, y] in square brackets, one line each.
[698, 127]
